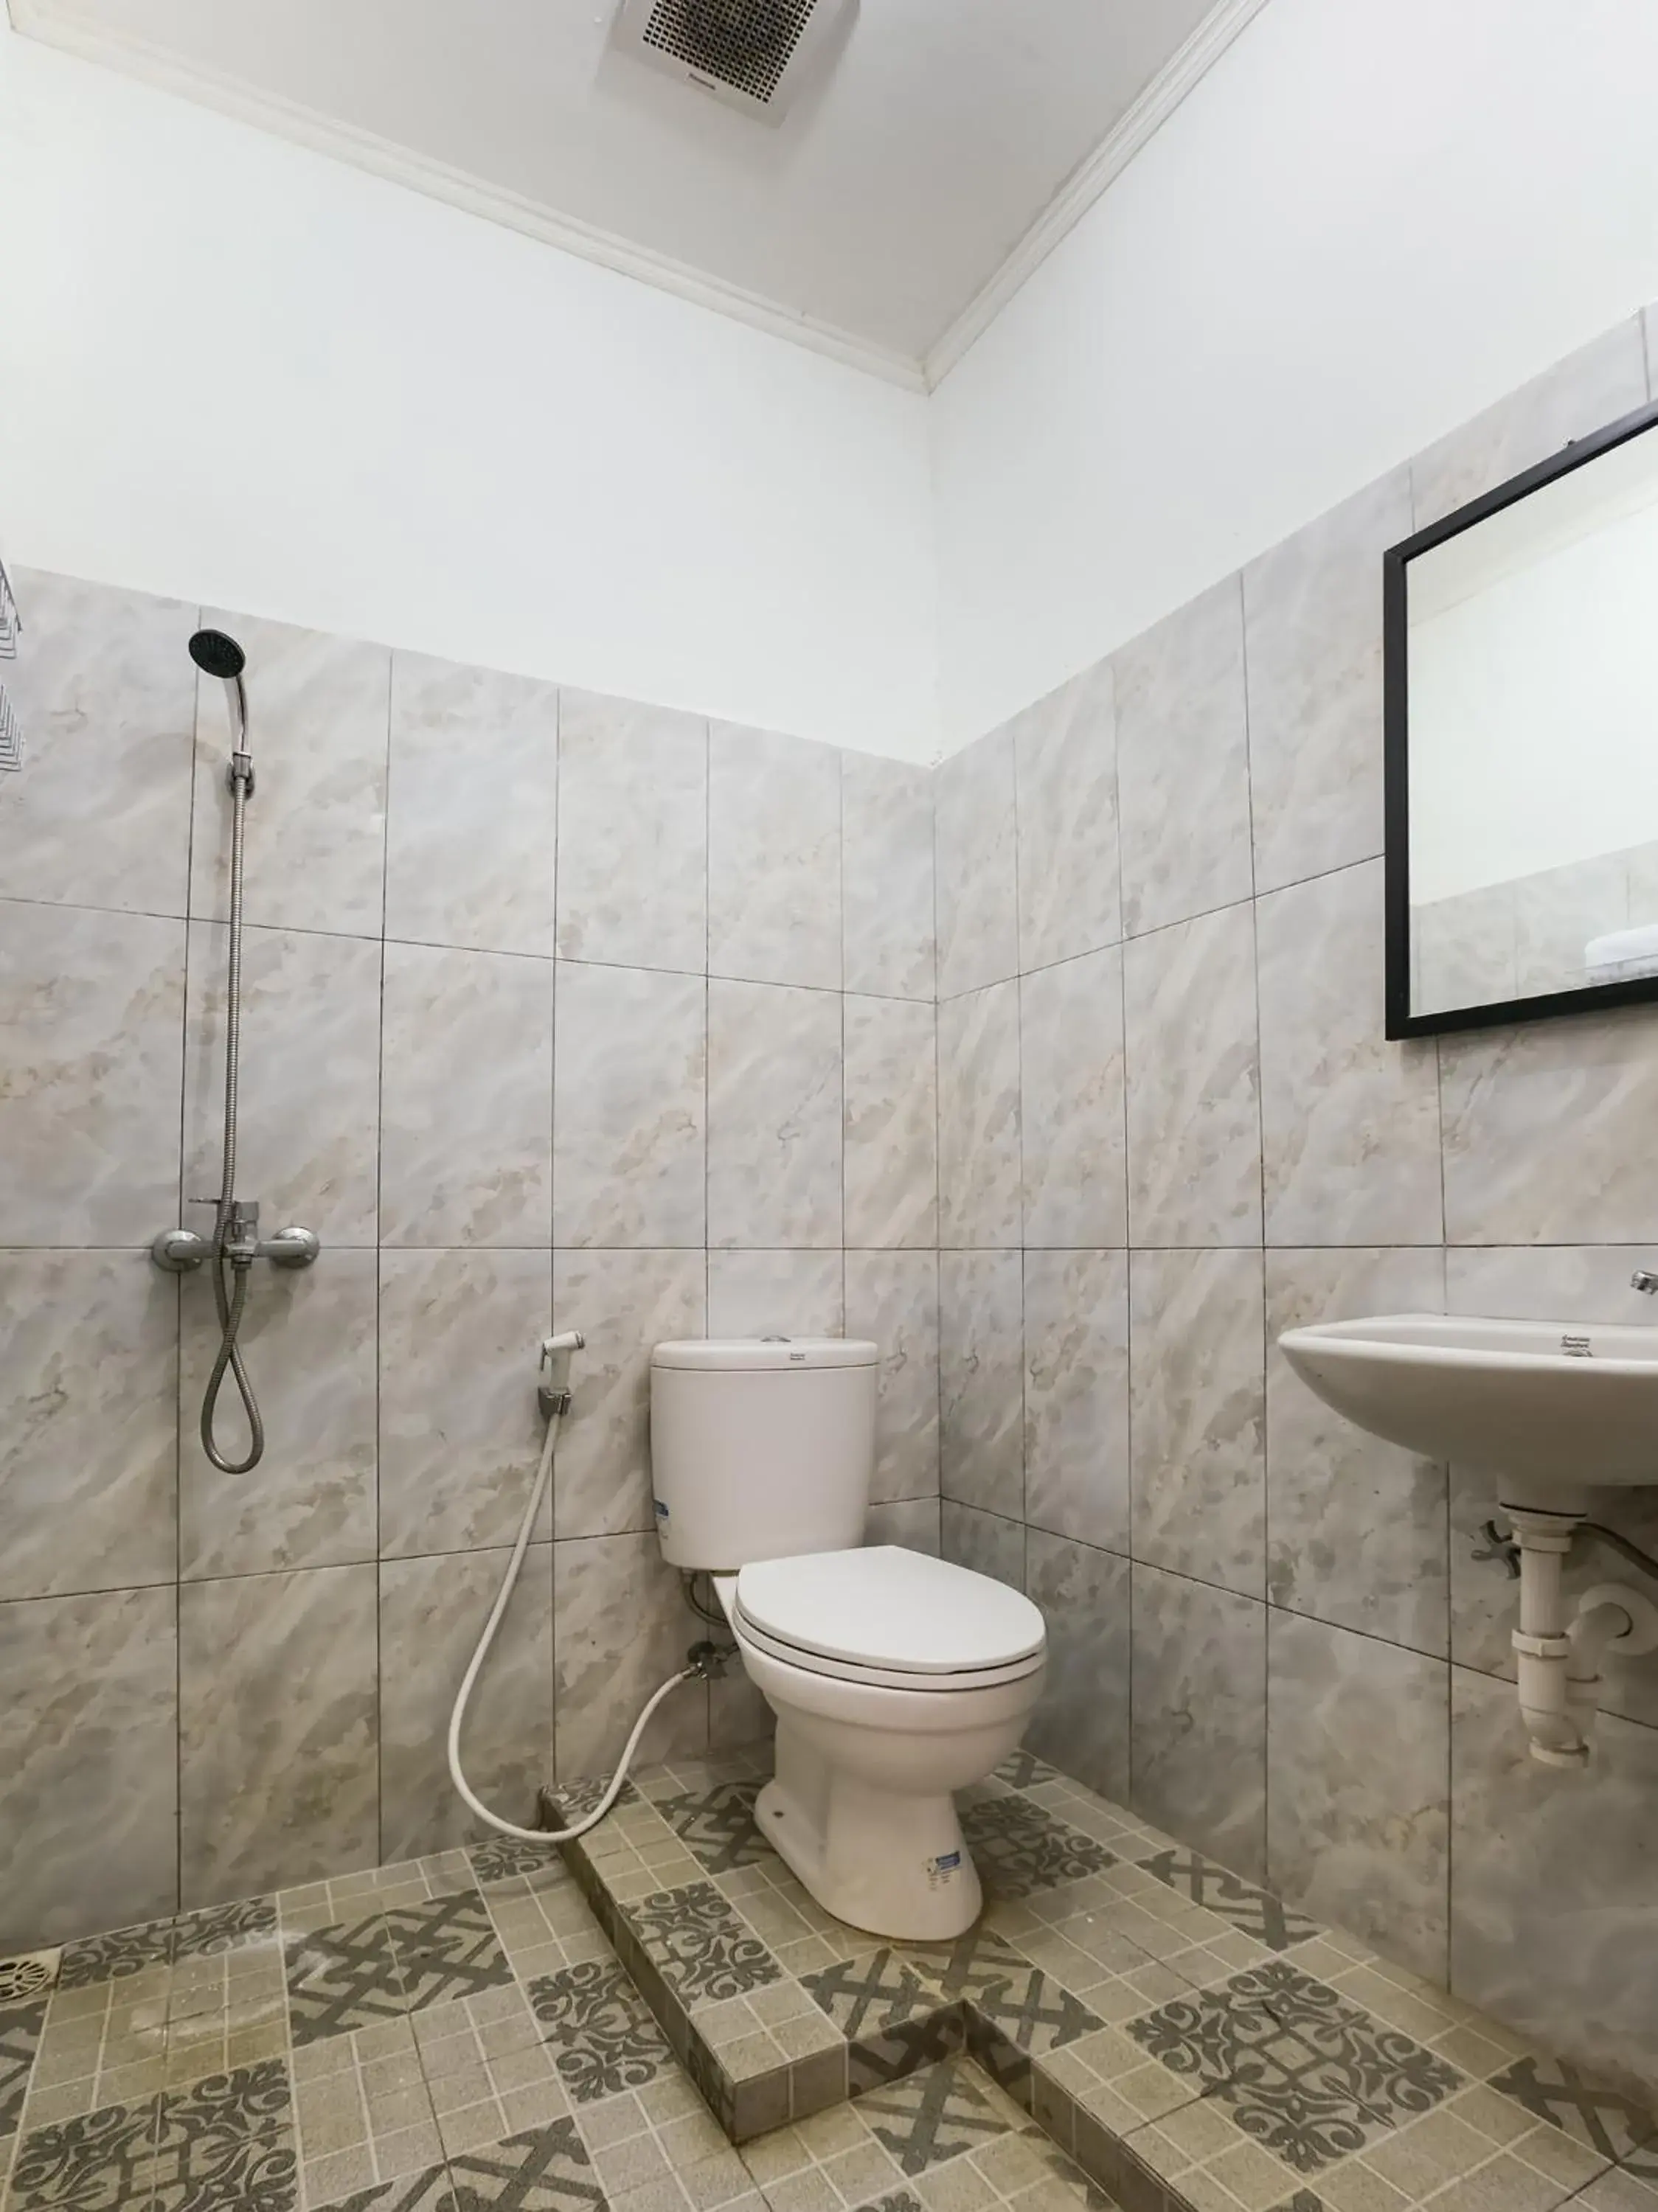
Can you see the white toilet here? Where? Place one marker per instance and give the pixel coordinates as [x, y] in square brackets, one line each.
[896, 1678]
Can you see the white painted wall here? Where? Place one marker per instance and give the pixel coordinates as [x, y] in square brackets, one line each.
[1372, 219]
[238, 372]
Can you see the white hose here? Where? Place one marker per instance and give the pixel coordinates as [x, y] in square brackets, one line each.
[509, 1582]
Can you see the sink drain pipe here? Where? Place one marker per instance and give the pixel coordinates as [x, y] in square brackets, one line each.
[1559, 1648]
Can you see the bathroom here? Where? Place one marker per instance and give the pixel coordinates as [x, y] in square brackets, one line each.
[818, 773]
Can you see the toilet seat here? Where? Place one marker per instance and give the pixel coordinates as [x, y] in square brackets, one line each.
[890, 1618]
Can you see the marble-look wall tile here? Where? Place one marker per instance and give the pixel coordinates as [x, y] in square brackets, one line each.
[1076, 1396]
[318, 723]
[467, 1098]
[430, 1611]
[1065, 764]
[911, 1522]
[1584, 392]
[1083, 1722]
[981, 1380]
[1358, 1526]
[622, 1626]
[88, 1768]
[625, 1304]
[1547, 1130]
[773, 858]
[1547, 1282]
[460, 1429]
[1197, 1741]
[1313, 629]
[630, 1108]
[308, 1138]
[1198, 1415]
[978, 1146]
[105, 689]
[278, 1731]
[886, 877]
[1194, 1104]
[632, 833]
[1359, 1780]
[892, 1122]
[776, 1294]
[1073, 1139]
[309, 1336]
[1551, 1885]
[974, 839]
[91, 1017]
[1183, 764]
[774, 1116]
[892, 1297]
[88, 1423]
[472, 818]
[1349, 1121]
[983, 1543]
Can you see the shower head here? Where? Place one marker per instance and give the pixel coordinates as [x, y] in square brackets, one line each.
[215, 654]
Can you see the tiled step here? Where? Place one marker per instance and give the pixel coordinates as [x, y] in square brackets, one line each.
[1186, 2037]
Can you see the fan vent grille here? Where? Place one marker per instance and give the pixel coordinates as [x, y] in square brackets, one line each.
[745, 43]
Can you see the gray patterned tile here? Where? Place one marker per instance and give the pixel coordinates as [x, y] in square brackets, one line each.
[546, 2170]
[21, 2024]
[1591, 2112]
[600, 2030]
[1019, 1848]
[445, 1949]
[704, 1952]
[342, 1978]
[867, 1996]
[1257, 1911]
[931, 2116]
[718, 1825]
[1308, 2076]
[228, 2141]
[102, 2161]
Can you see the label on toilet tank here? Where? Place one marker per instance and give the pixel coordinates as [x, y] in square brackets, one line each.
[942, 1869]
[661, 1509]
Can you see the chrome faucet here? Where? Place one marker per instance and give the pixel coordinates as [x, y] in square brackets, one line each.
[1643, 1279]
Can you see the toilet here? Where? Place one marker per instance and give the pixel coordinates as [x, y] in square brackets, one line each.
[896, 1678]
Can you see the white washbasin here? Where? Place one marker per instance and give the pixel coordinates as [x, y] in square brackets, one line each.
[1551, 1409]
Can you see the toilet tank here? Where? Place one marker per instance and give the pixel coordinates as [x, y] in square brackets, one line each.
[761, 1448]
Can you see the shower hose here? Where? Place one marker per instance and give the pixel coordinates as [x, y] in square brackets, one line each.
[468, 1682]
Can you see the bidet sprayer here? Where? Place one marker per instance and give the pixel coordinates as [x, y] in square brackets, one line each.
[553, 1392]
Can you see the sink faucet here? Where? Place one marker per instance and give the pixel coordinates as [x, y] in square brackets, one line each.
[1643, 1279]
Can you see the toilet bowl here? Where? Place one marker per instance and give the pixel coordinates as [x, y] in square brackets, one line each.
[896, 1679]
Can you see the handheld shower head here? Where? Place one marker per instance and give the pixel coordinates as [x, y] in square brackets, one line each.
[215, 654]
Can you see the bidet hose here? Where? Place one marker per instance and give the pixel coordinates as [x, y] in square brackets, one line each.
[468, 1681]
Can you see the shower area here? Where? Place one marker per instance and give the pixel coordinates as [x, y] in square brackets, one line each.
[556, 1011]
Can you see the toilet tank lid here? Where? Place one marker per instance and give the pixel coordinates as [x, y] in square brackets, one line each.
[886, 1606]
[730, 1354]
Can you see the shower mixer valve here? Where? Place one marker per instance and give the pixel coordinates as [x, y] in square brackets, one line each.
[179, 1250]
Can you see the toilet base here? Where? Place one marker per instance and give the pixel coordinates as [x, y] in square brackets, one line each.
[892, 1863]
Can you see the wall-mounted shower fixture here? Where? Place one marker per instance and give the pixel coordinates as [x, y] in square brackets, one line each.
[235, 1242]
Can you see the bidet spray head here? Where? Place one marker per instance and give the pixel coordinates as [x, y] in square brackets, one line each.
[553, 1395]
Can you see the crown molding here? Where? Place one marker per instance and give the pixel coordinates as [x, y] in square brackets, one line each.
[54, 25]
[1138, 125]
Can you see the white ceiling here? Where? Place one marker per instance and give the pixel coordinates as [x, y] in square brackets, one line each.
[872, 220]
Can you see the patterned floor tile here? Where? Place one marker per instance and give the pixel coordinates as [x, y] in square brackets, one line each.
[1258, 1913]
[425, 2192]
[1023, 1769]
[1019, 1848]
[97, 2162]
[445, 1949]
[939, 2113]
[718, 1824]
[343, 1977]
[603, 2035]
[20, 2028]
[502, 1857]
[546, 2170]
[1604, 2119]
[248, 1924]
[868, 1995]
[228, 2141]
[1307, 2076]
[123, 1952]
[703, 1951]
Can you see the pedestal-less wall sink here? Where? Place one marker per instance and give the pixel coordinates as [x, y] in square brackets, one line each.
[1550, 1411]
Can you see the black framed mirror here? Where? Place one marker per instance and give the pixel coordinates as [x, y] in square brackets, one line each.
[1520, 672]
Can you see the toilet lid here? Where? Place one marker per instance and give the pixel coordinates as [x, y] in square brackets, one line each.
[884, 1606]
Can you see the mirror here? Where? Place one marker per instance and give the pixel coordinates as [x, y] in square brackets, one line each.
[1521, 653]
